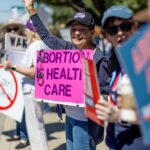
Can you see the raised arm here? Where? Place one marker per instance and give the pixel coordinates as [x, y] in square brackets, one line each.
[48, 38]
[29, 4]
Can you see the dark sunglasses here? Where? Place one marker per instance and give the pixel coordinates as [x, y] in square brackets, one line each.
[12, 29]
[125, 26]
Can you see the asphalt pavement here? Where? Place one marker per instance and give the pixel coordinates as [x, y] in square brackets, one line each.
[55, 130]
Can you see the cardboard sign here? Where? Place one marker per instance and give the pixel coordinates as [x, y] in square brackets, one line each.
[11, 97]
[59, 76]
[91, 90]
[16, 47]
[134, 56]
[15, 42]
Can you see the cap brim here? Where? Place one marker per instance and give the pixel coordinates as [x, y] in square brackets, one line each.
[117, 16]
[73, 20]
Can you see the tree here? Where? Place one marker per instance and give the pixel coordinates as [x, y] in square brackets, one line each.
[95, 7]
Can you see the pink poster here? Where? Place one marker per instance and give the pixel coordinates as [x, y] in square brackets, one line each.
[59, 76]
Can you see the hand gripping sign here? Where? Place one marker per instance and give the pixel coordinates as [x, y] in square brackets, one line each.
[11, 97]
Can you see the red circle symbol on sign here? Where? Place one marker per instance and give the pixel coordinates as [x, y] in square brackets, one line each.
[11, 100]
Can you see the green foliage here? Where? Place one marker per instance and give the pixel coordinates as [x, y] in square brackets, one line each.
[89, 4]
[135, 5]
[1, 25]
[62, 14]
[63, 9]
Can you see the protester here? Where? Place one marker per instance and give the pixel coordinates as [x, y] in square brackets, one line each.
[33, 109]
[21, 132]
[12, 27]
[118, 25]
[81, 133]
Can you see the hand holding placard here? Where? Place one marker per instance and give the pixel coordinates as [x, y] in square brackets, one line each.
[128, 108]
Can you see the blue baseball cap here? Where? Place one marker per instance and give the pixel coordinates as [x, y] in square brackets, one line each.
[119, 11]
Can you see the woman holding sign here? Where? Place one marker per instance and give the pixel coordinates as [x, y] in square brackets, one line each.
[33, 109]
[122, 134]
[81, 133]
[16, 29]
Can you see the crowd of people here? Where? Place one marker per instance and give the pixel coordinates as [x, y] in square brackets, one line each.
[118, 25]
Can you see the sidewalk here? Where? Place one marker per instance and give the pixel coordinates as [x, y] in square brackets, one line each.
[54, 129]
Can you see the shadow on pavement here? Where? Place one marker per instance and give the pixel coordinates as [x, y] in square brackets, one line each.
[50, 129]
[61, 147]
[9, 133]
[54, 127]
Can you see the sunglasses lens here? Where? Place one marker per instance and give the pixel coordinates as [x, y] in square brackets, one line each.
[112, 30]
[8, 30]
[126, 26]
[12, 29]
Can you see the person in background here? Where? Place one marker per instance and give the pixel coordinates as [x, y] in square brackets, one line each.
[118, 25]
[12, 27]
[21, 132]
[101, 41]
[81, 133]
[108, 48]
[33, 109]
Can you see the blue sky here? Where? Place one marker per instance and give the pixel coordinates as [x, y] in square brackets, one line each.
[5, 8]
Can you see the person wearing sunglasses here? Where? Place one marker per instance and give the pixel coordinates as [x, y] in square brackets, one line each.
[13, 27]
[20, 133]
[33, 110]
[118, 25]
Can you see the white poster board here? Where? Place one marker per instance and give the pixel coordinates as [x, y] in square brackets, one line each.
[16, 47]
[11, 96]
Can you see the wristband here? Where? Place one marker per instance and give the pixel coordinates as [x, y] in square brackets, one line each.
[13, 67]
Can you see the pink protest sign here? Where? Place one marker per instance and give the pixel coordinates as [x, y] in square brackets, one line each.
[59, 76]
